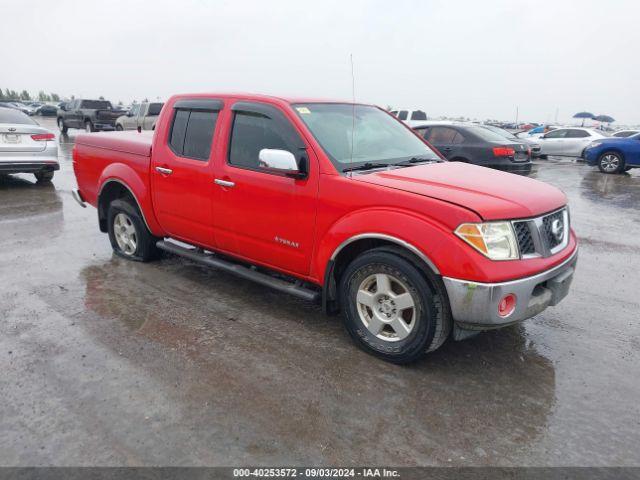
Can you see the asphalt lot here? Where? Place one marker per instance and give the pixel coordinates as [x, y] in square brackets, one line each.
[109, 362]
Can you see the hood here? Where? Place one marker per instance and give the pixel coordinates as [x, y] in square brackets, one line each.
[492, 194]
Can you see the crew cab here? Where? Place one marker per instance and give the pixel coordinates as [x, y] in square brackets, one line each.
[337, 203]
[141, 116]
[90, 115]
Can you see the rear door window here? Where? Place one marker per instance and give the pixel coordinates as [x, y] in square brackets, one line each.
[192, 133]
[441, 135]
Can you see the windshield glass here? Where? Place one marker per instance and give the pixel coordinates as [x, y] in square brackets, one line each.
[9, 115]
[501, 131]
[486, 134]
[377, 138]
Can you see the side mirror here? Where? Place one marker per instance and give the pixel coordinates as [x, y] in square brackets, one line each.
[278, 161]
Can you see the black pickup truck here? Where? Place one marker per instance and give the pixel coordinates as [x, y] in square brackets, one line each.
[90, 115]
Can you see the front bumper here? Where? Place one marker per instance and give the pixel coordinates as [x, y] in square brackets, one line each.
[474, 306]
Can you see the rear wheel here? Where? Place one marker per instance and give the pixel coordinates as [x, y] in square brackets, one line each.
[45, 176]
[129, 236]
[63, 128]
[390, 310]
[611, 162]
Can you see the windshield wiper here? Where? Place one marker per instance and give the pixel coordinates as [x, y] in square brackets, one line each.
[366, 166]
[413, 160]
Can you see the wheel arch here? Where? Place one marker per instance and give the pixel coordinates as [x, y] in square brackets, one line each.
[355, 245]
[120, 180]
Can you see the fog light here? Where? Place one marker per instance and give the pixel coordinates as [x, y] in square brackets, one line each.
[507, 305]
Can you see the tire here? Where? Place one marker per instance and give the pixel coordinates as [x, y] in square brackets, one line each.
[611, 162]
[44, 176]
[128, 233]
[363, 288]
[88, 126]
[626, 169]
[63, 128]
[119, 128]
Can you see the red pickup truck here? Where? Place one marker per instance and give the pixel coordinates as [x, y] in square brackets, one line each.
[338, 203]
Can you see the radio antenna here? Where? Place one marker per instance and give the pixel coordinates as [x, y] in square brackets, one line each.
[353, 108]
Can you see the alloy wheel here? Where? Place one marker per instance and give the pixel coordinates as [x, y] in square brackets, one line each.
[125, 233]
[386, 307]
[610, 162]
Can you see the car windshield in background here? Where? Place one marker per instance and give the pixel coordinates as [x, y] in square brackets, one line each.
[486, 134]
[378, 137]
[9, 115]
[501, 131]
[96, 104]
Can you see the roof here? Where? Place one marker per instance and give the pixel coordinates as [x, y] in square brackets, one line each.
[265, 97]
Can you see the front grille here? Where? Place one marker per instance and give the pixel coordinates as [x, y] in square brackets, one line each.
[542, 236]
[552, 239]
[525, 240]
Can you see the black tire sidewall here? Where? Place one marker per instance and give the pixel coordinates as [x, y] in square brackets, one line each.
[420, 338]
[145, 248]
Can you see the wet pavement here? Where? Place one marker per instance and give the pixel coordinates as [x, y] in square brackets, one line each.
[109, 362]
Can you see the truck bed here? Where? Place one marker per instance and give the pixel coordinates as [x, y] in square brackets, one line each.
[126, 142]
[100, 156]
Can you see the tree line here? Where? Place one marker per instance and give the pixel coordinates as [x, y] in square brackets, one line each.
[12, 95]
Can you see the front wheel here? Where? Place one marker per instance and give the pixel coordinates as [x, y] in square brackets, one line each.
[128, 233]
[63, 128]
[611, 162]
[119, 128]
[390, 310]
[88, 126]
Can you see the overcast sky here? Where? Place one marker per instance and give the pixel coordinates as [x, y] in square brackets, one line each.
[477, 59]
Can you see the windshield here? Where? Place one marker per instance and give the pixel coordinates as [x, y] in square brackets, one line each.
[10, 115]
[500, 131]
[486, 134]
[378, 137]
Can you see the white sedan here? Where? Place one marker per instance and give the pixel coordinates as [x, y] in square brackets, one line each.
[567, 142]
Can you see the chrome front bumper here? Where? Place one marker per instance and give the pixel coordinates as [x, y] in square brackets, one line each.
[474, 306]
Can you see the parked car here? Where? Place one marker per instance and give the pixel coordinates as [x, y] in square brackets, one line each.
[90, 115]
[531, 142]
[567, 142]
[410, 117]
[47, 110]
[140, 117]
[411, 248]
[614, 154]
[475, 144]
[26, 147]
[625, 133]
[535, 132]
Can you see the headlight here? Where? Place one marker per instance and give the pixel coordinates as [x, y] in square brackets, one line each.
[594, 144]
[495, 240]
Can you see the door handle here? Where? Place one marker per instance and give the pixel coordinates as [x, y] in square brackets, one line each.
[164, 171]
[224, 183]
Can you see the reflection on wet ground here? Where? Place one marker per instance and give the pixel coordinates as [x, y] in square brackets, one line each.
[110, 362]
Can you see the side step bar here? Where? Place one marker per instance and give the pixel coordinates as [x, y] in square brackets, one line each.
[240, 270]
